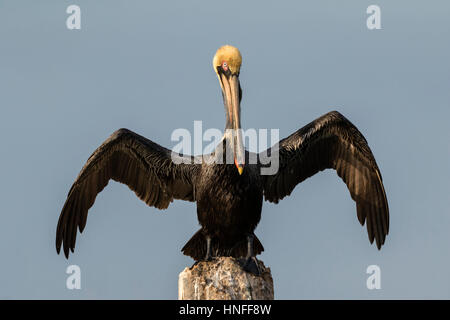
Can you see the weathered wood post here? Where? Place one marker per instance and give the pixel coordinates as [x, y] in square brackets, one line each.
[223, 279]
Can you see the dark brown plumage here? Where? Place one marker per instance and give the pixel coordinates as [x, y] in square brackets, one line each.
[129, 158]
[333, 142]
[229, 201]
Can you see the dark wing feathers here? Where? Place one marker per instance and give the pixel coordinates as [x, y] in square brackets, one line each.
[126, 157]
[332, 141]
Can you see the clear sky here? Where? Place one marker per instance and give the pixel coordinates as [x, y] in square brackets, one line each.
[146, 66]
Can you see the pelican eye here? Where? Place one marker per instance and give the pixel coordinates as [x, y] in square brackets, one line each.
[224, 66]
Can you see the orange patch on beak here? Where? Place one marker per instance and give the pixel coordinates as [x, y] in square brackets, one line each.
[240, 168]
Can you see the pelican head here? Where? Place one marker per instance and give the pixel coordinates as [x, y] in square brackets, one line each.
[227, 58]
[227, 65]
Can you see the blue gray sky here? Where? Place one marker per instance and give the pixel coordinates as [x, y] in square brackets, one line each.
[146, 66]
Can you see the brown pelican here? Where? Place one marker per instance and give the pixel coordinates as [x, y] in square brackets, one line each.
[229, 195]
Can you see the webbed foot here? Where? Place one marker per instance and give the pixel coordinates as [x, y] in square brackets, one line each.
[250, 265]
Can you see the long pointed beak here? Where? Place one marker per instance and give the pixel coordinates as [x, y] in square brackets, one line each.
[230, 88]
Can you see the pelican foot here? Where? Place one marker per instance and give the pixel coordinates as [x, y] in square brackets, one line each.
[206, 259]
[250, 265]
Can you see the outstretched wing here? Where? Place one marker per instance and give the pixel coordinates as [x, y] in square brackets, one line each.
[332, 141]
[126, 157]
